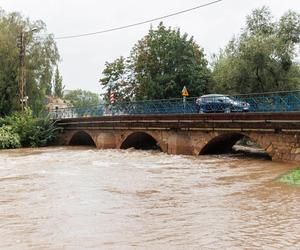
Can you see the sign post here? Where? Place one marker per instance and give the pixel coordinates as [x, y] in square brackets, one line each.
[112, 101]
[184, 94]
[112, 98]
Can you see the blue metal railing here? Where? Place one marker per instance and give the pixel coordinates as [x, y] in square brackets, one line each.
[288, 101]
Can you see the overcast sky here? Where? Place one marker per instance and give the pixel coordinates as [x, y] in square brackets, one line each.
[83, 58]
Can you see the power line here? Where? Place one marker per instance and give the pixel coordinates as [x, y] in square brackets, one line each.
[139, 23]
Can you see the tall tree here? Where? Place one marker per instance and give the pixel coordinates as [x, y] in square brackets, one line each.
[159, 66]
[165, 61]
[58, 85]
[262, 58]
[41, 56]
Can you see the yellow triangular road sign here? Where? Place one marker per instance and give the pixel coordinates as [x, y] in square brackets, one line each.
[184, 92]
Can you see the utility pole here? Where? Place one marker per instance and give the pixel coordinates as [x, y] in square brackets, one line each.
[22, 78]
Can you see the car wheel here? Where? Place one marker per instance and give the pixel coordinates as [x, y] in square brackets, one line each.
[227, 110]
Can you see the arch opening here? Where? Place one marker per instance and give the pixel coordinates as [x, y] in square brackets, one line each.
[82, 138]
[140, 140]
[234, 143]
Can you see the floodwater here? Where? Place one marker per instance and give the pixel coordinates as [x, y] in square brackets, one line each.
[83, 198]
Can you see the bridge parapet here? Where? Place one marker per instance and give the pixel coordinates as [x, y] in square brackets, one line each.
[274, 122]
[263, 102]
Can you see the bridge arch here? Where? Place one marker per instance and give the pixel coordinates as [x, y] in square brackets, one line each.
[223, 143]
[140, 140]
[81, 138]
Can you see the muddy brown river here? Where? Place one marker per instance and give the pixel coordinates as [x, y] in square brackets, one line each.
[83, 198]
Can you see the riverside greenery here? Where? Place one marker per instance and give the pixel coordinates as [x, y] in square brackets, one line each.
[262, 58]
[292, 177]
[22, 129]
[8, 138]
[41, 60]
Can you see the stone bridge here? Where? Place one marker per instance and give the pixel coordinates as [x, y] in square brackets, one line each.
[190, 134]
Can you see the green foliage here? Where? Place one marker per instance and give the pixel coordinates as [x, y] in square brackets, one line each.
[118, 78]
[58, 85]
[159, 66]
[42, 132]
[22, 123]
[262, 58]
[41, 58]
[32, 132]
[8, 138]
[165, 61]
[292, 177]
[80, 98]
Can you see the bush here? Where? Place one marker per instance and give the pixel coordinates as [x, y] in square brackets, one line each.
[8, 138]
[42, 133]
[33, 132]
[22, 124]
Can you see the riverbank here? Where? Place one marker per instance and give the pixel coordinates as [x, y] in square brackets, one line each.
[292, 177]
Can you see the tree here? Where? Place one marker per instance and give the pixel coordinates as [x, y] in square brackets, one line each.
[165, 61]
[160, 65]
[118, 79]
[262, 58]
[58, 85]
[81, 98]
[41, 57]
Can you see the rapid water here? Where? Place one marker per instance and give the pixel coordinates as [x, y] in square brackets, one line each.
[84, 198]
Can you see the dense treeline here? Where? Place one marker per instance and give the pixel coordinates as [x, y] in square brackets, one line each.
[17, 128]
[262, 58]
[41, 59]
[30, 127]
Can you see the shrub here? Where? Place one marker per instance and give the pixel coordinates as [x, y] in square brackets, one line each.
[33, 132]
[8, 138]
[42, 133]
[22, 124]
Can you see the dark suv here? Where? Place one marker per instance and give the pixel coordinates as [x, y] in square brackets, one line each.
[220, 103]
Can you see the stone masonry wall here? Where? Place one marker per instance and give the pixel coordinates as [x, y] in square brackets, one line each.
[280, 146]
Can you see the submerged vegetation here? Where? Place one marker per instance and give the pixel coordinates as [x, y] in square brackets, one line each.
[292, 177]
[22, 129]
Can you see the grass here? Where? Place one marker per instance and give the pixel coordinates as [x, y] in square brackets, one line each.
[292, 177]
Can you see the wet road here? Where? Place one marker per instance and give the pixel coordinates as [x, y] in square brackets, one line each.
[83, 198]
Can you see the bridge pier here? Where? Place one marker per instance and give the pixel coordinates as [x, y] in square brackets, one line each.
[105, 140]
[280, 146]
[178, 142]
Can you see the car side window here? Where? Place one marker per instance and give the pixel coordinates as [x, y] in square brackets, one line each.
[229, 100]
